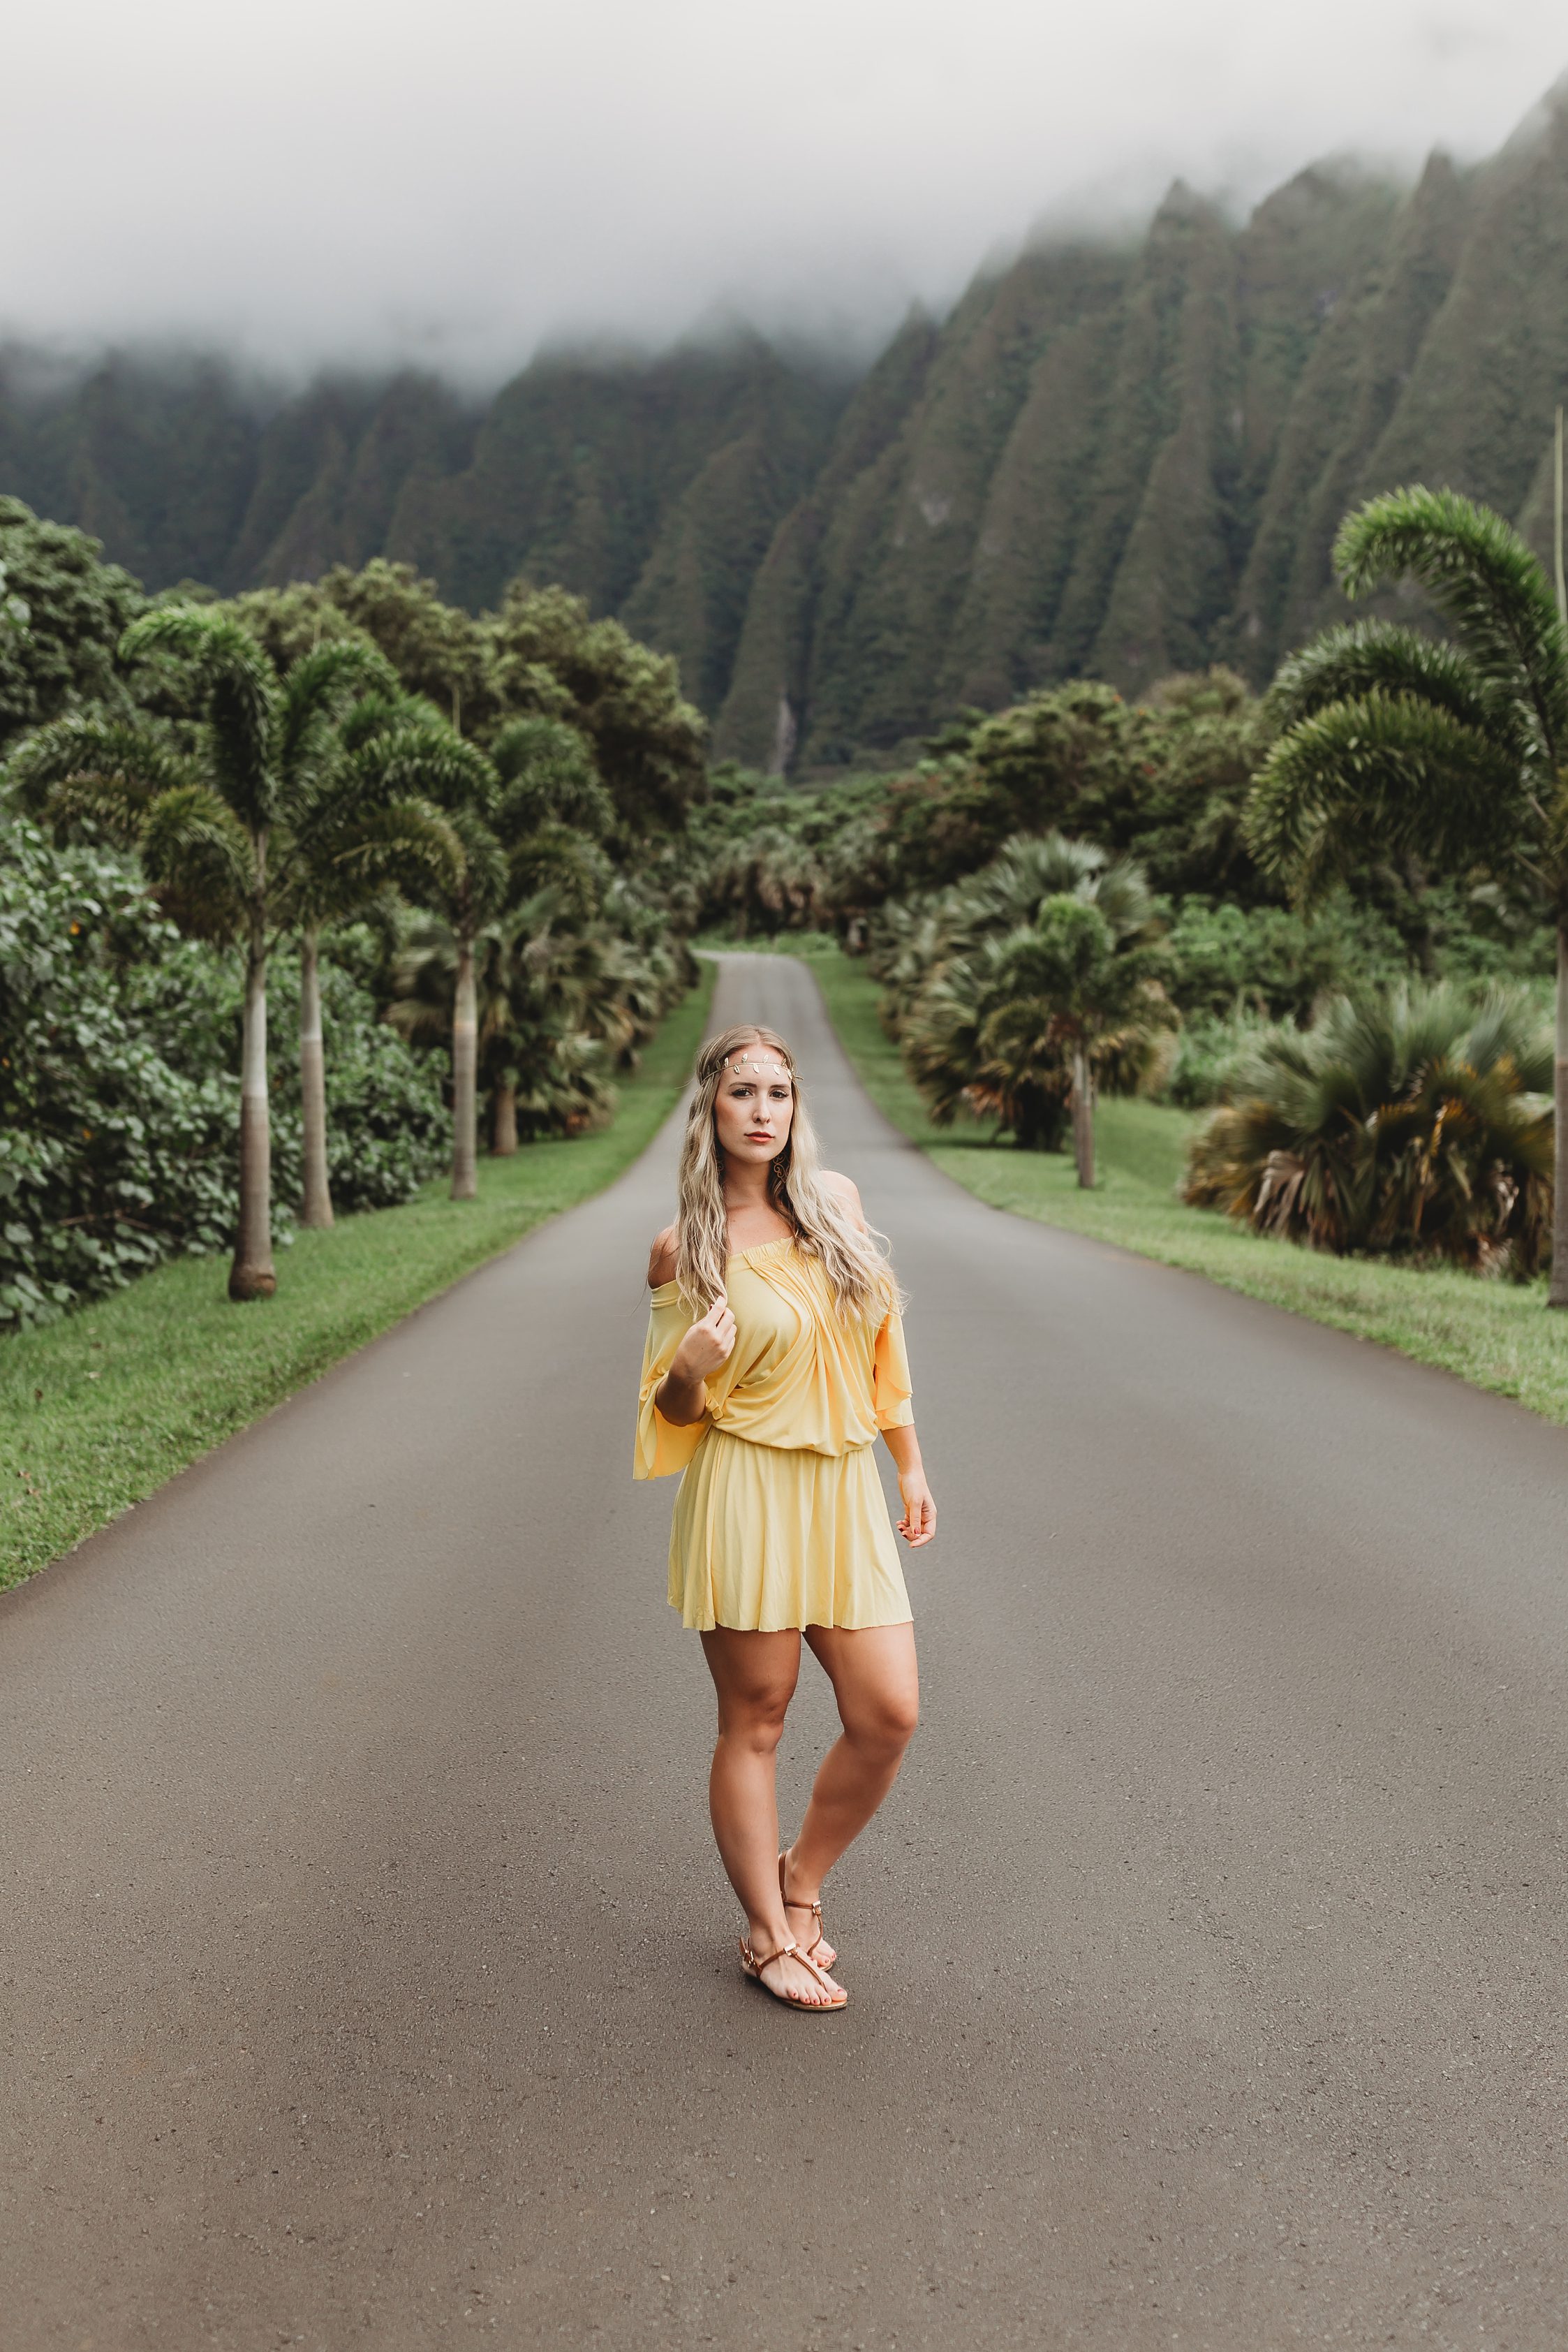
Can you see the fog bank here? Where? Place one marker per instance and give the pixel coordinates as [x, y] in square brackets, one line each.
[332, 182]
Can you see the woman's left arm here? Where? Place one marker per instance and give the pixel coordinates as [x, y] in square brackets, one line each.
[918, 1524]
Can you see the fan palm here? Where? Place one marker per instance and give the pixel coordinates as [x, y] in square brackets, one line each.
[1029, 869]
[212, 823]
[770, 878]
[1023, 1028]
[1455, 752]
[989, 1020]
[1415, 1123]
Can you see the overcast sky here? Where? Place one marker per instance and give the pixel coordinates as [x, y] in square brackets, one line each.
[359, 179]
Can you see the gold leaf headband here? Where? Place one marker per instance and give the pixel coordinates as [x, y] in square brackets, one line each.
[749, 1062]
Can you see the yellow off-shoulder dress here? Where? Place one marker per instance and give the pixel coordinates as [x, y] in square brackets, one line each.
[780, 1520]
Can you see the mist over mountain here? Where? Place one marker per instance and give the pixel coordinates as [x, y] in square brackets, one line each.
[1111, 458]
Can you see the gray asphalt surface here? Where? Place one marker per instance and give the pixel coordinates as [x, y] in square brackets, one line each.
[369, 1978]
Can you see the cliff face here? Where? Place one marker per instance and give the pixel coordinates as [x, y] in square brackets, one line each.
[1117, 461]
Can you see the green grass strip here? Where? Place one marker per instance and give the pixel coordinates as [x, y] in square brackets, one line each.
[1497, 1335]
[98, 1410]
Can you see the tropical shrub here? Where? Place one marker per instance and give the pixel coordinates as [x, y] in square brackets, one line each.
[117, 1093]
[1275, 961]
[111, 1154]
[1207, 1054]
[62, 612]
[1413, 1124]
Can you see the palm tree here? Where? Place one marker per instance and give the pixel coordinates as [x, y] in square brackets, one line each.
[1413, 1124]
[1065, 983]
[547, 775]
[540, 1008]
[1455, 753]
[965, 985]
[422, 757]
[210, 824]
[1024, 1028]
[353, 835]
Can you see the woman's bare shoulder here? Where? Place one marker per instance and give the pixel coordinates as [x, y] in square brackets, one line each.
[848, 1192]
[661, 1257]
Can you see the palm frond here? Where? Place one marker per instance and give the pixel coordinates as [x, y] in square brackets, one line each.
[239, 696]
[103, 770]
[1385, 773]
[430, 760]
[1484, 580]
[1378, 656]
[377, 714]
[484, 880]
[199, 859]
[559, 857]
[547, 771]
[407, 844]
[319, 690]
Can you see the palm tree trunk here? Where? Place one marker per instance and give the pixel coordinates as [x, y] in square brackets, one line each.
[252, 1275]
[504, 1114]
[316, 1207]
[464, 1071]
[1558, 1294]
[1082, 1117]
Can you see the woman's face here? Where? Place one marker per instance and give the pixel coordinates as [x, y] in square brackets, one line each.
[754, 1106]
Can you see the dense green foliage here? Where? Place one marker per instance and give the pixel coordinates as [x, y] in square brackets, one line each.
[118, 1095]
[62, 612]
[1109, 461]
[1036, 974]
[218, 783]
[541, 656]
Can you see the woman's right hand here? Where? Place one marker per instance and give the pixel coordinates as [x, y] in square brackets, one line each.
[708, 1344]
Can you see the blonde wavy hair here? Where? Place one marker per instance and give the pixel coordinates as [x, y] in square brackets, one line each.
[853, 1257]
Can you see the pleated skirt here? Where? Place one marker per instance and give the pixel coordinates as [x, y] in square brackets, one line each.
[765, 1538]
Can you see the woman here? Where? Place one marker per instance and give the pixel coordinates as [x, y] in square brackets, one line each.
[775, 1354]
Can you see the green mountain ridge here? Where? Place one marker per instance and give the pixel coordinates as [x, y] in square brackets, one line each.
[1109, 460]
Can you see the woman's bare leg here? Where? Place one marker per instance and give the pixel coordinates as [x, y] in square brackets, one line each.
[877, 1685]
[755, 1676]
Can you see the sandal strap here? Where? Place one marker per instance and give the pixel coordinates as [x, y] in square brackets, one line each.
[819, 1973]
[790, 1951]
[798, 1901]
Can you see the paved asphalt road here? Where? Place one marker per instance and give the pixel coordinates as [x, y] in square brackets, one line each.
[369, 1981]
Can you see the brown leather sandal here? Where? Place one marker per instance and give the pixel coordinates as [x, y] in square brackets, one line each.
[819, 1951]
[752, 1966]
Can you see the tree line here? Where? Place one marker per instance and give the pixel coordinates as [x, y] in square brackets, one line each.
[1326, 915]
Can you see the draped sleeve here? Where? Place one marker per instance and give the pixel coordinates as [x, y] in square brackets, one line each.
[662, 1446]
[891, 1393]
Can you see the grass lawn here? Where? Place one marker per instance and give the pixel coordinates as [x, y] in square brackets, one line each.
[98, 1410]
[1498, 1336]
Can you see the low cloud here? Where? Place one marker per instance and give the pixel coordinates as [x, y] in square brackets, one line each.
[333, 181]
